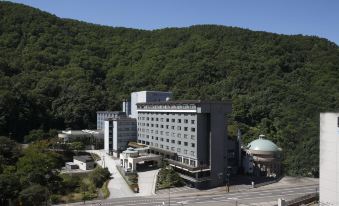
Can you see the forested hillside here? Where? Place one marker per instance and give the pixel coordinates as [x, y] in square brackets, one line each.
[56, 73]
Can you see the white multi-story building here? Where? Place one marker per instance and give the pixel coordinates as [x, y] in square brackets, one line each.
[329, 159]
[147, 96]
[118, 132]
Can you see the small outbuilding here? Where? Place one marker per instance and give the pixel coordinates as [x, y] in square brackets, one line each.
[85, 162]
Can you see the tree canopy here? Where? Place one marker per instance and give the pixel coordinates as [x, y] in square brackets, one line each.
[56, 73]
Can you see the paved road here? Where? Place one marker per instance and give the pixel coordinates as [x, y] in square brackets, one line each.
[250, 197]
[117, 185]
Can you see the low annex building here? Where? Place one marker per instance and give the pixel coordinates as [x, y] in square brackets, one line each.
[83, 162]
[131, 159]
[262, 157]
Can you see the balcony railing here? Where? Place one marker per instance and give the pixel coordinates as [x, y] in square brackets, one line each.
[188, 167]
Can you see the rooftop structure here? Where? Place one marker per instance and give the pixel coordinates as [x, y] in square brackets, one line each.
[103, 115]
[147, 96]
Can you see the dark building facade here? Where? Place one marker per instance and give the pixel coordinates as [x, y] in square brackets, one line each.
[191, 135]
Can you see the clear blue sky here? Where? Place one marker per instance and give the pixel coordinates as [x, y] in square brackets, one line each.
[308, 17]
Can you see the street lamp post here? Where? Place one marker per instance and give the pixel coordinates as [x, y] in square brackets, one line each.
[228, 173]
[169, 196]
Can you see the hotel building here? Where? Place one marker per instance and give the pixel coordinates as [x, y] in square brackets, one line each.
[191, 135]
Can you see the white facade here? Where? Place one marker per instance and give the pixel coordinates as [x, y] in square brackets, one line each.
[147, 96]
[329, 159]
[84, 164]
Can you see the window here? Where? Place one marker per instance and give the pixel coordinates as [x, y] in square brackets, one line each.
[185, 128]
[192, 144]
[167, 119]
[192, 163]
[167, 140]
[178, 128]
[186, 143]
[156, 138]
[179, 135]
[186, 121]
[161, 139]
[167, 126]
[173, 120]
[172, 127]
[179, 120]
[173, 148]
[178, 150]
[161, 146]
[186, 160]
[192, 129]
[179, 142]
[167, 147]
[185, 136]
[192, 136]
[192, 121]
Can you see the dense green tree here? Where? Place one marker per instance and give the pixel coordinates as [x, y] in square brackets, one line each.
[9, 188]
[9, 152]
[34, 195]
[56, 73]
[38, 165]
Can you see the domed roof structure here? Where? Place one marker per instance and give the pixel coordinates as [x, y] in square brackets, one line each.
[263, 145]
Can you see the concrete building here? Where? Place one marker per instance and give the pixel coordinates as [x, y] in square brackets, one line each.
[146, 96]
[191, 135]
[118, 132]
[262, 157]
[84, 162]
[102, 115]
[329, 159]
[93, 139]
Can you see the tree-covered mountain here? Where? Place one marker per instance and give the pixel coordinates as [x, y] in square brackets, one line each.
[56, 73]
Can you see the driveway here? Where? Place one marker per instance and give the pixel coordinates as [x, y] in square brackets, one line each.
[146, 181]
[117, 185]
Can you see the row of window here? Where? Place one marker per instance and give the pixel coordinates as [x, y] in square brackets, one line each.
[178, 150]
[179, 135]
[187, 161]
[161, 106]
[167, 120]
[179, 128]
[173, 141]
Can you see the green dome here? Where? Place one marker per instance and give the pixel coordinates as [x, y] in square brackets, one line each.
[262, 144]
